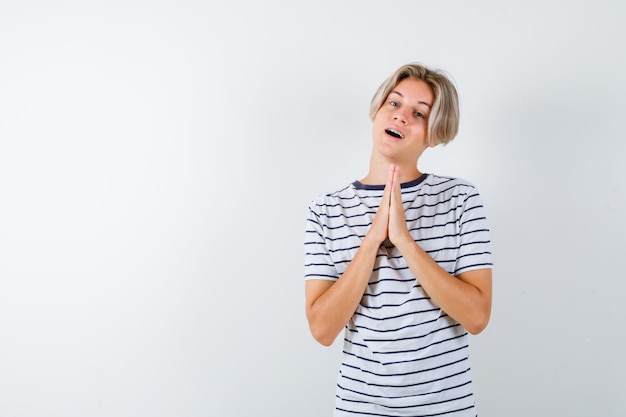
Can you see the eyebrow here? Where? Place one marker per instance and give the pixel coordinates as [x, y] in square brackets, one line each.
[419, 102]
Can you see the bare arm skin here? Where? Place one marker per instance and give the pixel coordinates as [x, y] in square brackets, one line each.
[331, 304]
[466, 297]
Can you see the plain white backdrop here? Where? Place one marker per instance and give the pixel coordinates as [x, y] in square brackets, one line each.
[157, 158]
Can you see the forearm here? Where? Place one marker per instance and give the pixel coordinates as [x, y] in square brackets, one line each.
[468, 304]
[329, 311]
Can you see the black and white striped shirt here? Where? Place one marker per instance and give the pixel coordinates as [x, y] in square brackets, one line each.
[402, 355]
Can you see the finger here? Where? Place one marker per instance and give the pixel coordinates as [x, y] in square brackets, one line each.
[397, 221]
[396, 178]
[396, 188]
[387, 192]
[380, 224]
[396, 209]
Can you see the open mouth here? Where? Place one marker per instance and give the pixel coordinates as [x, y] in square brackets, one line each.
[394, 133]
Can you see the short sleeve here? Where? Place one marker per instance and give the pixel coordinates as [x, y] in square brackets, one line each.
[318, 263]
[475, 241]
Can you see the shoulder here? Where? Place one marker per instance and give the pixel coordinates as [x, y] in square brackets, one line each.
[335, 198]
[447, 181]
[440, 184]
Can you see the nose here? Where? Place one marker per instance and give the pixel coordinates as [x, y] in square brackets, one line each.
[399, 116]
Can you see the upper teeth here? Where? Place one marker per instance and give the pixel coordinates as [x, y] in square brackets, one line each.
[396, 132]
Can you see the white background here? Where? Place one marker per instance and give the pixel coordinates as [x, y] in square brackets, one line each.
[157, 158]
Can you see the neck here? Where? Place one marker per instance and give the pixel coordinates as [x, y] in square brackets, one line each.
[379, 171]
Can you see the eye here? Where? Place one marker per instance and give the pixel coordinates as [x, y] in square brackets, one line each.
[419, 115]
[394, 103]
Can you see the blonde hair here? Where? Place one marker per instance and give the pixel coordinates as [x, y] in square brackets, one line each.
[443, 122]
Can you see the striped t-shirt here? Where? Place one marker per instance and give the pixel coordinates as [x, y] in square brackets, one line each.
[402, 355]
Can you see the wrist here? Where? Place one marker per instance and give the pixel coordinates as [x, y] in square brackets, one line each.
[404, 243]
[371, 241]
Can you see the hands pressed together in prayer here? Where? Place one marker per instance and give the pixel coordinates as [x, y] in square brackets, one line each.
[390, 221]
[466, 297]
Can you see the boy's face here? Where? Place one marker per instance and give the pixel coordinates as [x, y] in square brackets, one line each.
[400, 128]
